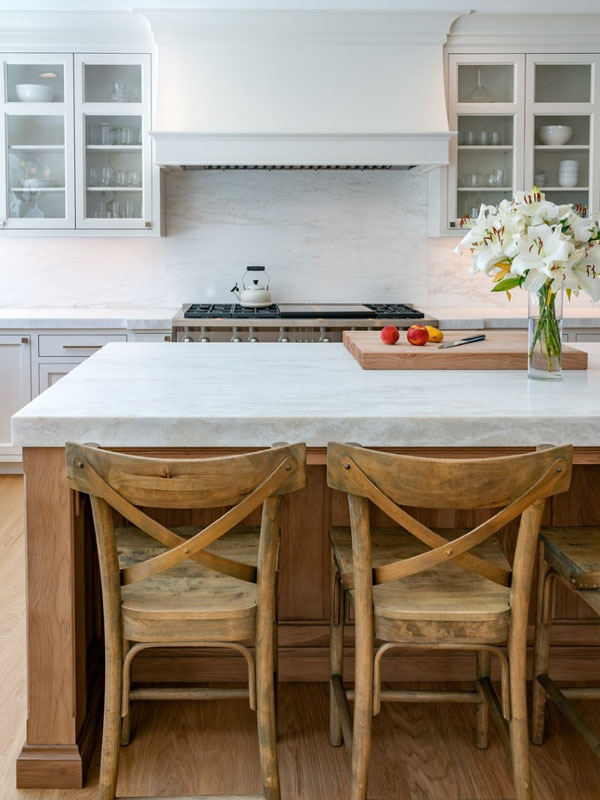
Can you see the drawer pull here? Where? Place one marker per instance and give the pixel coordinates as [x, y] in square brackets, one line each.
[82, 346]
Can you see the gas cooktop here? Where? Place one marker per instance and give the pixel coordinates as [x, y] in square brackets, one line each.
[303, 311]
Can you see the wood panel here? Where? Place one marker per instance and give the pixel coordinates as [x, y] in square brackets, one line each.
[499, 350]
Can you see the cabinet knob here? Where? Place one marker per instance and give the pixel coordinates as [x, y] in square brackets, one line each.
[148, 224]
[24, 339]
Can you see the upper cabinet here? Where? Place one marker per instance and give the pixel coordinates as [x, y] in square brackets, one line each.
[522, 120]
[78, 152]
[36, 132]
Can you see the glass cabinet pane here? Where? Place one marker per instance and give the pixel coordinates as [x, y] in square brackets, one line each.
[36, 166]
[489, 83]
[112, 83]
[114, 167]
[484, 161]
[563, 83]
[562, 157]
[35, 83]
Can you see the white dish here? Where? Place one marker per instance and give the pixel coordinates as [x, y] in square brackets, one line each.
[568, 164]
[554, 134]
[34, 93]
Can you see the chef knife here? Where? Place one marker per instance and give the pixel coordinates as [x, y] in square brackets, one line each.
[468, 340]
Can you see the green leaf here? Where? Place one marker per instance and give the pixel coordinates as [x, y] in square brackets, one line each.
[506, 284]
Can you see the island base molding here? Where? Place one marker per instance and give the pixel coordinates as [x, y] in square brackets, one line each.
[64, 618]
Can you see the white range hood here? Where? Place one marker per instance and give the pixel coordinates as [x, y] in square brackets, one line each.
[300, 88]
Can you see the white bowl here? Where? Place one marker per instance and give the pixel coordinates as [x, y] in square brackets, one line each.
[554, 134]
[568, 164]
[34, 93]
[568, 181]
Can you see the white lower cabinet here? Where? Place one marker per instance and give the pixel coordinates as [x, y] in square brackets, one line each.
[15, 380]
[49, 374]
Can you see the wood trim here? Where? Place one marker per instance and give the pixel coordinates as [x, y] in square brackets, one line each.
[51, 602]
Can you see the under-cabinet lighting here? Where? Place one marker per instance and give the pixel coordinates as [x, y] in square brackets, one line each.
[47, 74]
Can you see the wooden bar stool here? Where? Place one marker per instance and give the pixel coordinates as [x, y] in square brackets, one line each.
[570, 556]
[416, 587]
[214, 587]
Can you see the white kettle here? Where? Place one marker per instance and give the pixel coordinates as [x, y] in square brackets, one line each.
[255, 288]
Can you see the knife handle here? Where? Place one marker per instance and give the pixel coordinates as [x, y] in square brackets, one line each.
[479, 338]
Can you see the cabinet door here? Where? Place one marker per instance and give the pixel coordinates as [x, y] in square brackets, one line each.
[113, 144]
[562, 135]
[486, 104]
[36, 139]
[15, 377]
[49, 374]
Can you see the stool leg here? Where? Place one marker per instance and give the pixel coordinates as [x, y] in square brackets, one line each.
[363, 705]
[541, 657]
[484, 669]
[125, 711]
[336, 652]
[109, 764]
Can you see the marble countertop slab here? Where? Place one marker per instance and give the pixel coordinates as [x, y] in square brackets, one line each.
[82, 317]
[507, 316]
[139, 394]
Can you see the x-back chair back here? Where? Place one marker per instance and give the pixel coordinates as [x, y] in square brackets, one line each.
[124, 483]
[517, 485]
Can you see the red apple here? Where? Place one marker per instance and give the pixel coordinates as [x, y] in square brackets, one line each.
[389, 334]
[417, 335]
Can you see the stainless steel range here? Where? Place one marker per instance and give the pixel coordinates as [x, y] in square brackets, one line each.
[288, 322]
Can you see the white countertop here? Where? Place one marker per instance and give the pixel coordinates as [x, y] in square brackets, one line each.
[450, 317]
[81, 317]
[253, 395]
[507, 316]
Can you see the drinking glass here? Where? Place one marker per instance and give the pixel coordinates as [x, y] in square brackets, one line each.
[93, 176]
[129, 209]
[126, 135]
[95, 135]
[105, 133]
[133, 178]
[122, 177]
[482, 138]
[118, 92]
[106, 176]
[495, 138]
[470, 137]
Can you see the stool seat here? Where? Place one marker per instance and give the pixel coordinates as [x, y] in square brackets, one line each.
[444, 603]
[204, 605]
[574, 551]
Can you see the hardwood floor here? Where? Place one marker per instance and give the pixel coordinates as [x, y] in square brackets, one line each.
[420, 752]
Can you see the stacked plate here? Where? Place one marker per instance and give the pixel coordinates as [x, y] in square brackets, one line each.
[568, 173]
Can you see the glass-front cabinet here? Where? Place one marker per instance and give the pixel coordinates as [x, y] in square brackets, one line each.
[75, 141]
[522, 120]
[112, 141]
[562, 135]
[37, 166]
[487, 109]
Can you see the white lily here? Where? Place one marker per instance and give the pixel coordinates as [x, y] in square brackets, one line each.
[541, 249]
[587, 271]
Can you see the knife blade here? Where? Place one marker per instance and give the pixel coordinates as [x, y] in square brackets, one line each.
[468, 340]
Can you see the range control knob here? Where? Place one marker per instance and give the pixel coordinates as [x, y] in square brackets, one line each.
[187, 339]
[204, 339]
[234, 336]
[325, 339]
[282, 336]
[251, 336]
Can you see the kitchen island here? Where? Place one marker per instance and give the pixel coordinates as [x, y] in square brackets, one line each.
[174, 400]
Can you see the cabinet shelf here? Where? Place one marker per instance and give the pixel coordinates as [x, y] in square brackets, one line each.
[112, 147]
[500, 148]
[37, 189]
[504, 189]
[114, 188]
[42, 147]
[561, 147]
[565, 188]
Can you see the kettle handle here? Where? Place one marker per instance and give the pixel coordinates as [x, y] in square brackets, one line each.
[255, 269]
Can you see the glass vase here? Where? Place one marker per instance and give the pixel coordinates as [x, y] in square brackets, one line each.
[544, 347]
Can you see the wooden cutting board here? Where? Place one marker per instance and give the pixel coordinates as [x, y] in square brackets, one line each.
[499, 350]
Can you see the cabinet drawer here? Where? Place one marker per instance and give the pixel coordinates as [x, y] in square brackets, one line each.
[76, 345]
[587, 337]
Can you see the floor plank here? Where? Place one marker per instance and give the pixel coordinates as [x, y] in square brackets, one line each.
[420, 752]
